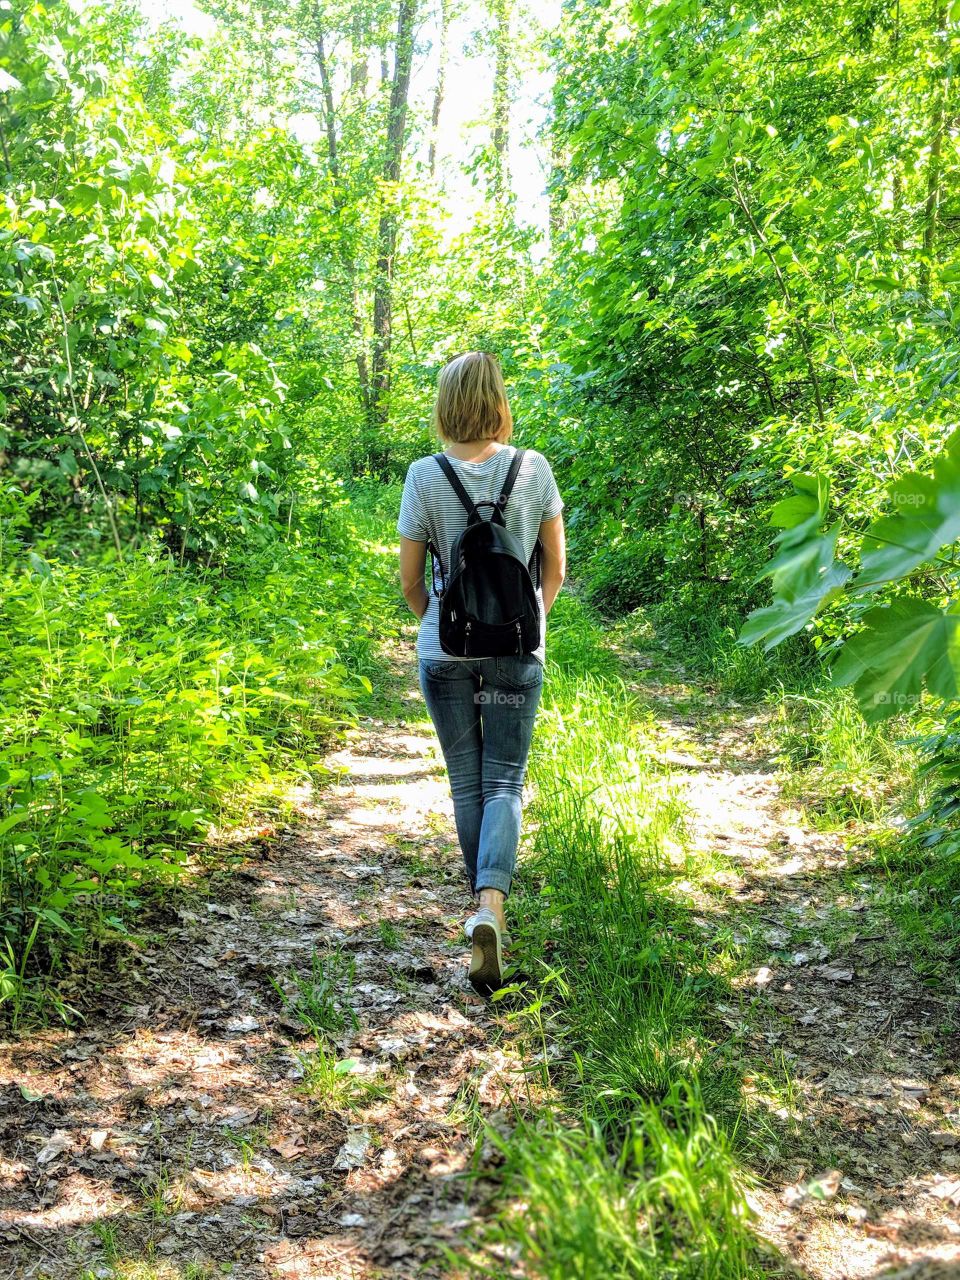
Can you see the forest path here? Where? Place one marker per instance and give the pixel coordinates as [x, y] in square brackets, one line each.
[190, 1128]
[858, 1118]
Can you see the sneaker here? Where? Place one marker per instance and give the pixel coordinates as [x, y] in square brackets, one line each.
[486, 963]
[505, 939]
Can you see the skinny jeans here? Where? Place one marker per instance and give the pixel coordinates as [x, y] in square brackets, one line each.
[483, 710]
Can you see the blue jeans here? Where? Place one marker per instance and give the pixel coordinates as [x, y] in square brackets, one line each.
[483, 711]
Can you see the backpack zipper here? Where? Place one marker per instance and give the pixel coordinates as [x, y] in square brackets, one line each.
[466, 639]
[519, 639]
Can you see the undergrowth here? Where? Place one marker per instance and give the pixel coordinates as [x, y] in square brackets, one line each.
[148, 704]
[626, 1163]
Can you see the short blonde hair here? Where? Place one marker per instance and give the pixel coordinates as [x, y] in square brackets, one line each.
[472, 400]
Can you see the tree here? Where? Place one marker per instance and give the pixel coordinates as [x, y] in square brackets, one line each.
[501, 13]
[389, 221]
[440, 85]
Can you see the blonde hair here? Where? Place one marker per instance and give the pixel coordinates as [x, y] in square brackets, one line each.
[472, 400]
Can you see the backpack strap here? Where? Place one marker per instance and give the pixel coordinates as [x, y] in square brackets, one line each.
[454, 479]
[436, 563]
[508, 484]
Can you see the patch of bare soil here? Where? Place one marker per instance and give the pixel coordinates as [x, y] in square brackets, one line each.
[861, 1175]
[186, 1123]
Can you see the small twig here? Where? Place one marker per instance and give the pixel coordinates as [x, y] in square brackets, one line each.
[413, 345]
[39, 1243]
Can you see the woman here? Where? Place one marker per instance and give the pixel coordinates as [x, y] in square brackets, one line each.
[483, 709]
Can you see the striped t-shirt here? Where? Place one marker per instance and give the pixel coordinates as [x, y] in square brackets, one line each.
[430, 511]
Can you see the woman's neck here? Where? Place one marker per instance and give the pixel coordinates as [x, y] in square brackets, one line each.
[473, 450]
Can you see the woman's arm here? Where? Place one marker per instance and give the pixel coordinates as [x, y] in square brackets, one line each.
[554, 559]
[413, 559]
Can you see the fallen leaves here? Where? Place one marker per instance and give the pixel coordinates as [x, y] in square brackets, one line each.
[816, 952]
[353, 1153]
[289, 1145]
[832, 973]
[821, 1187]
[58, 1142]
[946, 1189]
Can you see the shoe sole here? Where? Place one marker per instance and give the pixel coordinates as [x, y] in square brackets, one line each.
[486, 964]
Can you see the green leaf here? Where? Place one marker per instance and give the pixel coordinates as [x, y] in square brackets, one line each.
[82, 198]
[902, 647]
[926, 518]
[804, 580]
[804, 512]
[39, 565]
[56, 918]
[11, 820]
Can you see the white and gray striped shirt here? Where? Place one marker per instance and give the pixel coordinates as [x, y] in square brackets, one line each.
[430, 511]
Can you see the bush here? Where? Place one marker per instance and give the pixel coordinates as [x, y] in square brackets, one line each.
[143, 703]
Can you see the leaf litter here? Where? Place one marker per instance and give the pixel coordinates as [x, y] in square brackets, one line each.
[862, 1172]
[192, 1083]
[197, 1114]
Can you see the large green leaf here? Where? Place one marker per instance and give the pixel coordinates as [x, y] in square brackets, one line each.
[902, 647]
[926, 518]
[804, 571]
[804, 579]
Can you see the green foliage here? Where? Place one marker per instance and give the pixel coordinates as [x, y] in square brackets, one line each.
[754, 278]
[903, 645]
[143, 708]
[321, 997]
[632, 1172]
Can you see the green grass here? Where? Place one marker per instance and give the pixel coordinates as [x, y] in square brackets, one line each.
[839, 768]
[334, 1083]
[320, 997]
[704, 645]
[624, 1155]
[390, 935]
[661, 1205]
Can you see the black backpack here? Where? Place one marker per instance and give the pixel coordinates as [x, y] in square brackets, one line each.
[488, 605]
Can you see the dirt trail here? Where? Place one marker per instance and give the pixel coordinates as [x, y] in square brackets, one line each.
[873, 1054]
[174, 1126]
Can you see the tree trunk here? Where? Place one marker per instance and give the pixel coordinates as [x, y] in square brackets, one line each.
[388, 224]
[346, 260]
[931, 208]
[358, 50]
[501, 99]
[441, 83]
